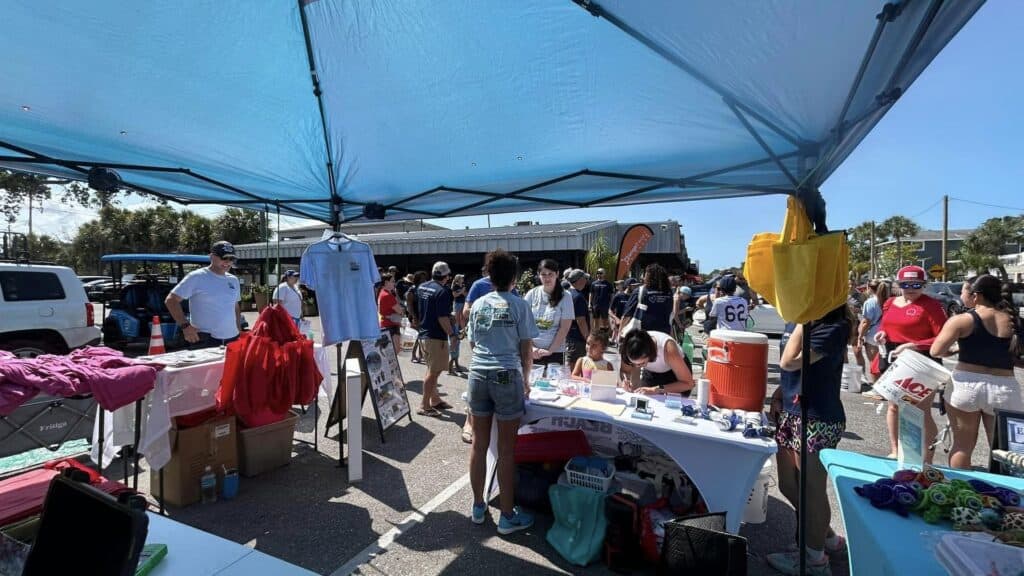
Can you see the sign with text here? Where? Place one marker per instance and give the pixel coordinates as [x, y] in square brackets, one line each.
[633, 242]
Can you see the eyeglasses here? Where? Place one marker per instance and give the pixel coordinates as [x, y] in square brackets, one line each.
[911, 285]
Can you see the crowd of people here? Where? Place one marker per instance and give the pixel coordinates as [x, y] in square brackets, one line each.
[570, 320]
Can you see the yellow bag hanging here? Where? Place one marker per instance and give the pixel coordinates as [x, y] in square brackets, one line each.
[810, 270]
[759, 266]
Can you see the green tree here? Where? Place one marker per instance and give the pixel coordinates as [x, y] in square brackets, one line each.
[890, 258]
[196, 233]
[241, 226]
[49, 249]
[16, 188]
[525, 282]
[898, 228]
[981, 249]
[601, 256]
[859, 238]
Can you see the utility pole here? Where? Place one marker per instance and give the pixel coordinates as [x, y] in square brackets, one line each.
[874, 270]
[945, 232]
[28, 239]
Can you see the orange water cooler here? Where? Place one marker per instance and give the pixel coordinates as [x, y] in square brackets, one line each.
[737, 367]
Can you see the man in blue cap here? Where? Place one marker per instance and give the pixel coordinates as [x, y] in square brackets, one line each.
[731, 310]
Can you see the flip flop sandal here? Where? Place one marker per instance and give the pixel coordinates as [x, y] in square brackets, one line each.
[467, 436]
[433, 413]
[442, 406]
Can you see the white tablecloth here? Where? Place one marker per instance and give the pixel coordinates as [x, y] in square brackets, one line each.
[194, 552]
[723, 465]
[177, 392]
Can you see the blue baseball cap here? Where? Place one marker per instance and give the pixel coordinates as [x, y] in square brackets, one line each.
[727, 284]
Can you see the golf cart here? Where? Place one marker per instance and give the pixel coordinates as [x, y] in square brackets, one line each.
[136, 298]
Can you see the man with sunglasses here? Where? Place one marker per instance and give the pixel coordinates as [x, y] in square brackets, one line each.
[910, 321]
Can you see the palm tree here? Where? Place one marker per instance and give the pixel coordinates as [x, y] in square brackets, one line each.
[981, 250]
[899, 227]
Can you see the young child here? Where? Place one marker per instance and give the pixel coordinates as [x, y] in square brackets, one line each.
[454, 369]
[597, 343]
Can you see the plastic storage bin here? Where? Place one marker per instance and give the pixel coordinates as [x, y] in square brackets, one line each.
[557, 446]
[267, 447]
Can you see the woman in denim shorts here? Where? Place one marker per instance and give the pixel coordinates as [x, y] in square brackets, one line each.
[501, 330]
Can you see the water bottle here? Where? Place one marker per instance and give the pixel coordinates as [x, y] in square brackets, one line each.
[208, 486]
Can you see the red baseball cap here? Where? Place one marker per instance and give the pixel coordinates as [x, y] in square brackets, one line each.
[910, 273]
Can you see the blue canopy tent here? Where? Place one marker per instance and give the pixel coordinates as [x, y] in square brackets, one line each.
[341, 110]
[424, 109]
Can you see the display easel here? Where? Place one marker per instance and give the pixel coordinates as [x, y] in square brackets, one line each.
[378, 375]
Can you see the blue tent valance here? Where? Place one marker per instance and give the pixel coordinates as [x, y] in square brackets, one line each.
[335, 109]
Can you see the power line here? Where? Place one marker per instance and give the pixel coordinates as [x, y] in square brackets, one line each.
[988, 205]
[922, 212]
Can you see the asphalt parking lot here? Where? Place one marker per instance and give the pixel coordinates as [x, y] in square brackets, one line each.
[410, 513]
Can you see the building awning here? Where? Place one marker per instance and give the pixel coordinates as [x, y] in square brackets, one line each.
[574, 236]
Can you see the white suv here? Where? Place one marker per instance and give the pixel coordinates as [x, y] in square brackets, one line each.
[43, 310]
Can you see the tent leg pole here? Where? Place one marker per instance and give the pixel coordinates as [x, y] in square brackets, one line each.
[802, 511]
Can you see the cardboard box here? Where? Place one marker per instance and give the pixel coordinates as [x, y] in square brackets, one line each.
[265, 448]
[212, 444]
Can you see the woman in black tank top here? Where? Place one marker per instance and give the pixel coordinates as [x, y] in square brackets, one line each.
[983, 380]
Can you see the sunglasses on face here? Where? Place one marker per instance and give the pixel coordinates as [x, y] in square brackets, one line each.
[911, 285]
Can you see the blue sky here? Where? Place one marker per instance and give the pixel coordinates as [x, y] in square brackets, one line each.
[957, 131]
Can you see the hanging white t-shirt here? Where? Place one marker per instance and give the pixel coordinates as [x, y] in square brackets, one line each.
[549, 318]
[731, 312]
[343, 272]
[211, 302]
[290, 298]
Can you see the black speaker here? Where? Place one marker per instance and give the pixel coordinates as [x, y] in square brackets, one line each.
[104, 179]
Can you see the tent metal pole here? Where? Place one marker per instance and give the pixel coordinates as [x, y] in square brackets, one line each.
[889, 13]
[915, 42]
[761, 142]
[805, 359]
[596, 10]
[279, 239]
[311, 59]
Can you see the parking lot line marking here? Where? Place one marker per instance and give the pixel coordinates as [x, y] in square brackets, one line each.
[410, 522]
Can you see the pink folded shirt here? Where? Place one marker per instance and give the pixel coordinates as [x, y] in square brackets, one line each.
[113, 380]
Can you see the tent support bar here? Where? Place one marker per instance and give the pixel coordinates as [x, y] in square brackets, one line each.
[760, 140]
[44, 159]
[596, 10]
[892, 92]
[659, 181]
[889, 12]
[78, 166]
[915, 42]
[336, 200]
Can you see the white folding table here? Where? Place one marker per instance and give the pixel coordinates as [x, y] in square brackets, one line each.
[722, 465]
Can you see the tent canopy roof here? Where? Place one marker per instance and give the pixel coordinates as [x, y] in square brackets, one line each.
[435, 109]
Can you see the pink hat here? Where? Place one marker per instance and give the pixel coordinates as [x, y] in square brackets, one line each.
[909, 273]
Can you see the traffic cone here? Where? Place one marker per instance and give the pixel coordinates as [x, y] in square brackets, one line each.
[156, 338]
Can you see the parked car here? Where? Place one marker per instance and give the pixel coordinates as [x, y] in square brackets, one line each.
[948, 293]
[87, 280]
[44, 310]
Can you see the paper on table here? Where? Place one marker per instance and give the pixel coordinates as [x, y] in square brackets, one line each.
[542, 395]
[559, 401]
[602, 407]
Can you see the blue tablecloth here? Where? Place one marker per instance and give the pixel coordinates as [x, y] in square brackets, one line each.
[880, 541]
